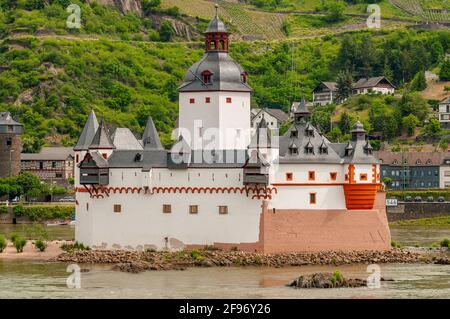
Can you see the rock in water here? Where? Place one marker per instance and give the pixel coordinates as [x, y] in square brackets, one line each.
[326, 280]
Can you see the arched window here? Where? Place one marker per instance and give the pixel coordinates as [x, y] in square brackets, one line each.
[429, 162]
[419, 162]
[207, 77]
[222, 45]
[213, 45]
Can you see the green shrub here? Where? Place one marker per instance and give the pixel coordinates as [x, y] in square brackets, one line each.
[20, 243]
[3, 243]
[13, 236]
[422, 193]
[36, 231]
[74, 246]
[195, 254]
[3, 209]
[44, 212]
[337, 277]
[445, 243]
[40, 245]
[395, 244]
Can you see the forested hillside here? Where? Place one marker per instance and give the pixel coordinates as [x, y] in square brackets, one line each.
[52, 79]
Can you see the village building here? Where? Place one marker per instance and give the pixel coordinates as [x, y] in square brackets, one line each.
[444, 176]
[248, 192]
[10, 145]
[325, 93]
[379, 84]
[444, 113]
[273, 117]
[54, 165]
[411, 170]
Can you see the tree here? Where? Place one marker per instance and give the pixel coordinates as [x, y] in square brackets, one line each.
[444, 74]
[166, 32]
[413, 103]
[419, 83]
[334, 11]
[410, 123]
[322, 120]
[346, 123]
[432, 128]
[436, 51]
[344, 84]
[149, 6]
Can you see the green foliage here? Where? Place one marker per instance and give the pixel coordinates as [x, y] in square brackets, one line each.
[13, 236]
[432, 128]
[40, 245]
[424, 194]
[387, 181]
[19, 243]
[445, 243]
[166, 32]
[73, 247]
[443, 221]
[43, 212]
[419, 83]
[196, 255]
[3, 243]
[395, 244]
[337, 277]
[36, 231]
[410, 122]
[149, 6]
[346, 122]
[444, 73]
[3, 209]
[344, 84]
[334, 11]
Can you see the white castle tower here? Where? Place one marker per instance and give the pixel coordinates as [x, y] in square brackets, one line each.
[214, 110]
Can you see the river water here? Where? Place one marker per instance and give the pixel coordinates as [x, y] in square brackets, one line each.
[25, 279]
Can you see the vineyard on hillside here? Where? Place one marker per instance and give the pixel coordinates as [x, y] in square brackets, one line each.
[427, 10]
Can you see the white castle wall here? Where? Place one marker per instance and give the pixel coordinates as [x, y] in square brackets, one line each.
[142, 221]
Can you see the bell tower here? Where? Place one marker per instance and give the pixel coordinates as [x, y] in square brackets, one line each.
[214, 109]
[10, 145]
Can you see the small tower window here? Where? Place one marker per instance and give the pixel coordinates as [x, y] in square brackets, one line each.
[10, 128]
[309, 149]
[244, 77]
[207, 100]
[289, 177]
[9, 142]
[363, 177]
[229, 100]
[333, 176]
[312, 198]
[207, 77]
[312, 176]
[192, 101]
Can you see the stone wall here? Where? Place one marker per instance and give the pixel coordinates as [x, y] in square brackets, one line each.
[10, 161]
[406, 211]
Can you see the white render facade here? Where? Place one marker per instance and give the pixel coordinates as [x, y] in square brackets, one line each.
[146, 197]
[444, 113]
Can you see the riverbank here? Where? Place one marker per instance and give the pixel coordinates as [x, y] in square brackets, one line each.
[134, 261]
[31, 253]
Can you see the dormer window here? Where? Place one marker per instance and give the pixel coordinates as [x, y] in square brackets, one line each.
[395, 162]
[309, 148]
[207, 77]
[323, 149]
[418, 162]
[309, 131]
[429, 162]
[138, 157]
[293, 149]
[244, 77]
[294, 133]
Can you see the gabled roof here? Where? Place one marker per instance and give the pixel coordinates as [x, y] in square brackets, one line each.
[124, 139]
[371, 82]
[332, 86]
[101, 138]
[7, 119]
[411, 158]
[280, 115]
[445, 100]
[49, 154]
[150, 138]
[89, 130]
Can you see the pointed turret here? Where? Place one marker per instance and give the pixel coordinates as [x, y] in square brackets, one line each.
[216, 25]
[302, 114]
[262, 137]
[101, 139]
[358, 132]
[150, 139]
[88, 133]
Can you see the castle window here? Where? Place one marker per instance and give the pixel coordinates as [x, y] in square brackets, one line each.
[192, 101]
[53, 164]
[429, 162]
[207, 100]
[312, 198]
[9, 142]
[77, 158]
[167, 208]
[193, 209]
[346, 177]
[105, 156]
[138, 157]
[419, 162]
[87, 207]
[117, 208]
[228, 100]
[41, 165]
[206, 77]
[10, 128]
[244, 77]
[311, 175]
[333, 176]
[223, 210]
[363, 177]
[289, 177]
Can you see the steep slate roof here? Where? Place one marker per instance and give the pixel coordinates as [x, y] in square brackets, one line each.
[89, 130]
[99, 160]
[262, 137]
[150, 138]
[49, 154]
[412, 158]
[226, 74]
[101, 138]
[280, 115]
[7, 119]
[371, 82]
[216, 25]
[124, 139]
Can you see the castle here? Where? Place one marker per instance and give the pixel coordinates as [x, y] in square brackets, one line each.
[10, 145]
[223, 184]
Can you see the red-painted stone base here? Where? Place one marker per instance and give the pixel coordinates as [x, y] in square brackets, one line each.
[284, 231]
